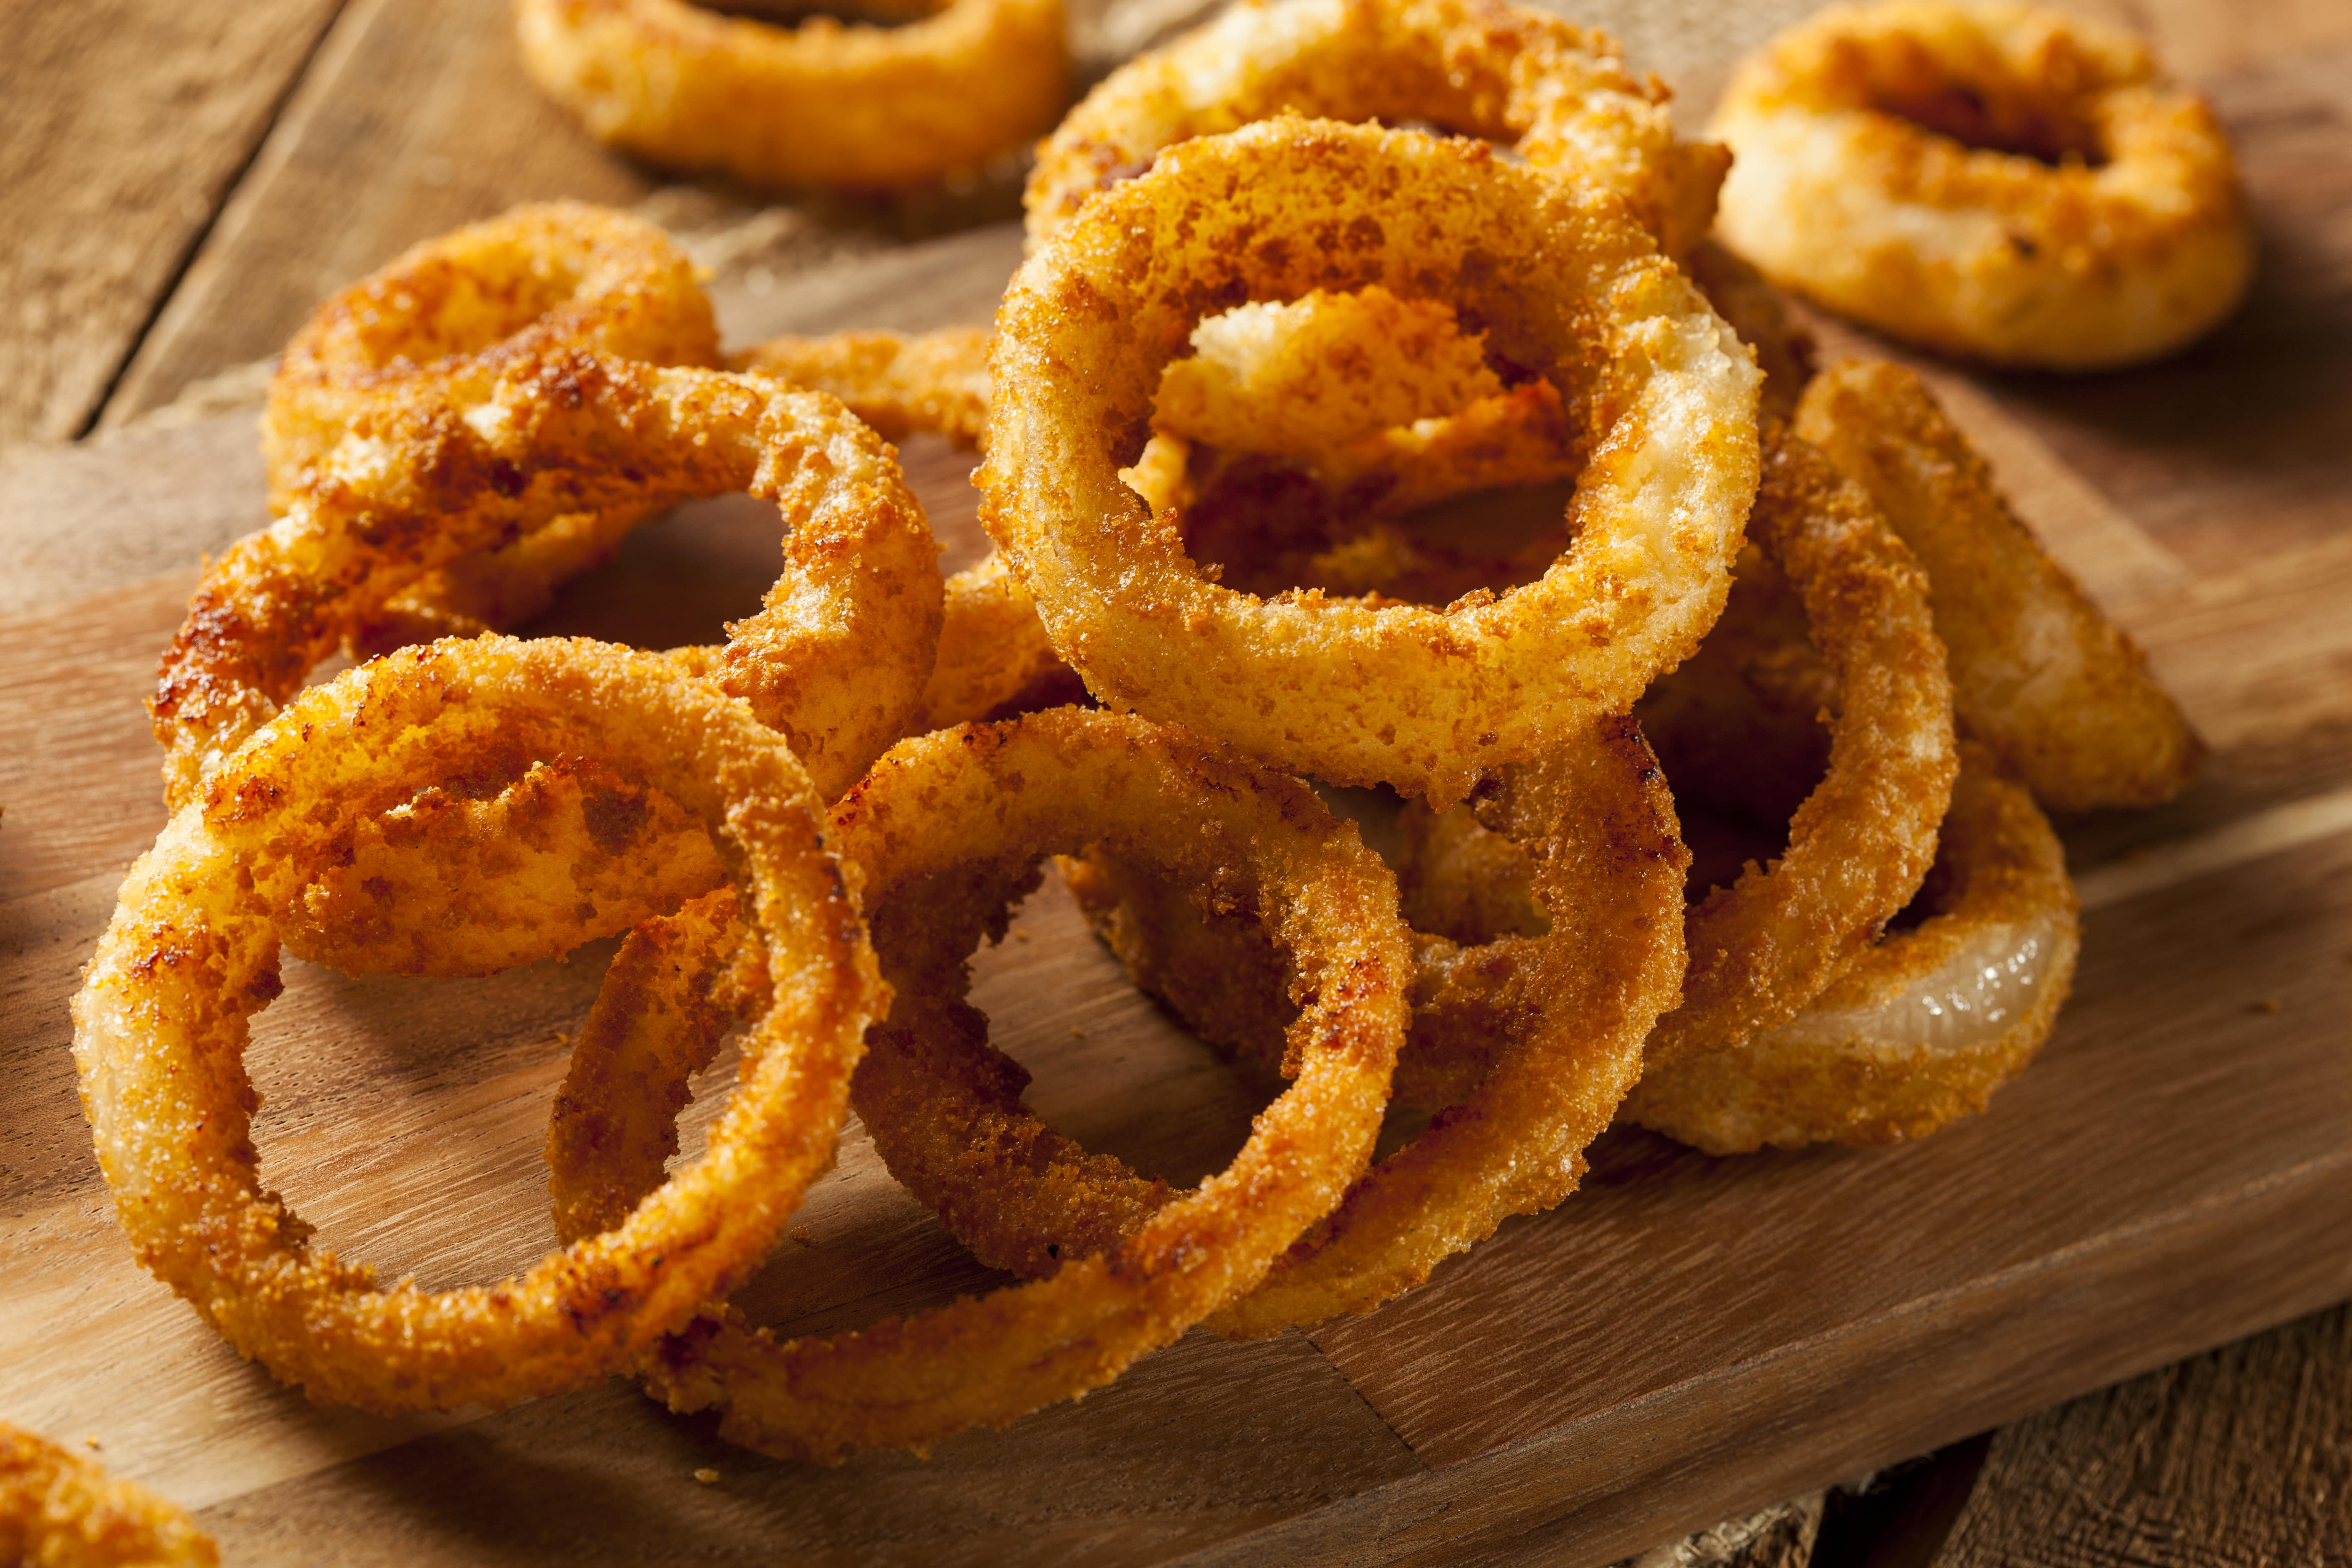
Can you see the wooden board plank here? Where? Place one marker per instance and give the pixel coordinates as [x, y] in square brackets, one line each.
[417, 118]
[127, 122]
[1587, 1383]
[2238, 1457]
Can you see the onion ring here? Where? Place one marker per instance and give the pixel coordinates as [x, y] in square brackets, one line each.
[1427, 698]
[1554, 1022]
[1998, 181]
[160, 1024]
[1858, 846]
[819, 105]
[945, 831]
[560, 274]
[1927, 1024]
[897, 382]
[1556, 93]
[555, 275]
[2058, 692]
[1761, 949]
[425, 479]
[59, 1510]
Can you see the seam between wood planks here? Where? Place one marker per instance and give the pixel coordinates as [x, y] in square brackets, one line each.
[1405, 1520]
[196, 238]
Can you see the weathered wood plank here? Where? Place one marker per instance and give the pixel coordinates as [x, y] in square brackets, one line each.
[127, 122]
[2237, 1457]
[417, 118]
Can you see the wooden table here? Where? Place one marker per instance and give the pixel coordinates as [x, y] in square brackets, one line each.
[1686, 1340]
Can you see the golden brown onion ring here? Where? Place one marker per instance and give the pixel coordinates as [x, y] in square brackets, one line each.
[836, 659]
[1927, 1024]
[59, 1509]
[1661, 393]
[898, 383]
[2059, 693]
[562, 274]
[556, 275]
[162, 1021]
[1557, 94]
[1859, 844]
[1761, 949]
[1550, 1025]
[947, 829]
[993, 657]
[819, 105]
[1999, 181]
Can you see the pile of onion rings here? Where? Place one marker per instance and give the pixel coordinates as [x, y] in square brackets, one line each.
[1487, 496]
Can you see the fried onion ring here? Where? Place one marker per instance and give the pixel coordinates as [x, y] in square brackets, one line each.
[1927, 1024]
[946, 830]
[1551, 1022]
[1556, 93]
[562, 274]
[59, 1510]
[2059, 693]
[1999, 181]
[836, 659]
[555, 275]
[817, 106]
[1662, 392]
[897, 382]
[161, 1022]
[1761, 949]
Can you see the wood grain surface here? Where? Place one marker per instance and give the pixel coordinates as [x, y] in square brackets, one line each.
[2232, 1459]
[1687, 1339]
[127, 120]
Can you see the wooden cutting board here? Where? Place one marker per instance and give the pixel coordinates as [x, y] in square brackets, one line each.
[1686, 1338]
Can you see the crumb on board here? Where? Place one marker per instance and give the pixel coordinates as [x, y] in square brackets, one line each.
[707, 1476]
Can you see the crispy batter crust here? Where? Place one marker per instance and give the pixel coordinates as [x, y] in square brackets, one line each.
[897, 382]
[1861, 840]
[819, 105]
[59, 1510]
[1927, 1024]
[560, 274]
[161, 1020]
[1998, 181]
[1858, 846]
[2059, 693]
[1529, 1037]
[946, 831]
[836, 659]
[1557, 94]
[1560, 279]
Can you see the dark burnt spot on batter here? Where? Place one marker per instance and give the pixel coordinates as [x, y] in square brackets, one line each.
[614, 818]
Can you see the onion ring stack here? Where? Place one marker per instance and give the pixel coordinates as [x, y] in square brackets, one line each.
[161, 1020]
[945, 832]
[1249, 354]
